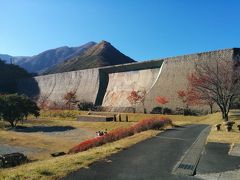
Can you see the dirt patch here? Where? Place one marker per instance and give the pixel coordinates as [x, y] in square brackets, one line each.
[6, 149]
[38, 142]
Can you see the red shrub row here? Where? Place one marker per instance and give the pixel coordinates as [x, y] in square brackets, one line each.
[154, 123]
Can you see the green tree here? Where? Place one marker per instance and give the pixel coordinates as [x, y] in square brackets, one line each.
[14, 108]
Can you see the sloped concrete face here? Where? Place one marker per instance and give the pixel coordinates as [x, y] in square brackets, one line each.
[84, 82]
[110, 86]
[174, 74]
[121, 84]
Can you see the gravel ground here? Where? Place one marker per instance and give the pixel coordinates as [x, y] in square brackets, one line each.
[65, 133]
[74, 135]
[6, 149]
[69, 133]
[58, 131]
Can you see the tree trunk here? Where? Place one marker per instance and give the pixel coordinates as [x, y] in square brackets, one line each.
[12, 123]
[211, 109]
[226, 117]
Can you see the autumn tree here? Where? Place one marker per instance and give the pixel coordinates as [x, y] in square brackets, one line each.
[215, 82]
[70, 98]
[183, 96]
[162, 100]
[191, 98]
[136, 97]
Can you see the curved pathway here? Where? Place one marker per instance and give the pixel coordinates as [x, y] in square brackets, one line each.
[151, 159]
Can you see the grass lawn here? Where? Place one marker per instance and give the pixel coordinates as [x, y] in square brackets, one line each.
[58, 167]
[51, 168]
[223, 136]
[50, 142]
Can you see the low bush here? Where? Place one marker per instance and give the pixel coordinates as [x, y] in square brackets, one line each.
[156, 110]
[189, 112]
[167, 111]
[161, 110]
[147, 124]
[86, 106]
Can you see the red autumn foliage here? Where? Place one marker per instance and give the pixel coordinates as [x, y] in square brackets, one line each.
[188, 97]
[182, 95]
[162, 100]
[196, 97]
[154, 123]
[136, 97]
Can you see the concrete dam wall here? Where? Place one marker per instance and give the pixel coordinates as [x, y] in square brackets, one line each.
[110, 86]
[174, 76]
[53, 87]
[121, 84]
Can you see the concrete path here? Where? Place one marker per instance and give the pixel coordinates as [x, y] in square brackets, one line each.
[151, 159]
[216, 163]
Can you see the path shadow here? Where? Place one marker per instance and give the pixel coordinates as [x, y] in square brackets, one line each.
[43, 129]
[178, 126]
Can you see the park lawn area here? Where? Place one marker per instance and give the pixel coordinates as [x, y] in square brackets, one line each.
[59, 167]
[223, 136]
[211, 119]
[52, 168]
[50, 143]
[42, 144]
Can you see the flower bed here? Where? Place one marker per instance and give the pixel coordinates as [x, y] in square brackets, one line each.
[147, 124]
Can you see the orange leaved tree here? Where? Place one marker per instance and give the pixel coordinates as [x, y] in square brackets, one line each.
[162, 100]
[136, 97]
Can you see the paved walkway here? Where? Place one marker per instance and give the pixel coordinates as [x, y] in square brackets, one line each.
[217, 164]
[151, 159]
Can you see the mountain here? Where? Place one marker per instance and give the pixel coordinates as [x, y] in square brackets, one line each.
[5, 57]
[9, 74]
[49, 58]
[102, 54]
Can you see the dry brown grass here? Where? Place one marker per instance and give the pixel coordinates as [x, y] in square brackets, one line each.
[223, 136]
[44, 144]
[56, 167]
[60, 166]
[50, 143]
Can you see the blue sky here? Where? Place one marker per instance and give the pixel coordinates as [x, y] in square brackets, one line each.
[141, 29]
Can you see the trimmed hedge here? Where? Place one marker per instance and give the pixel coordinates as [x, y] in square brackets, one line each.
[147, 124]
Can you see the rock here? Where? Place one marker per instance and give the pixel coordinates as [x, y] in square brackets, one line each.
[56, 154]
[11, 160]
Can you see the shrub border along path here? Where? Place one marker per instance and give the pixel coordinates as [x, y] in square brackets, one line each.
[61, 166]
[147, 124]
